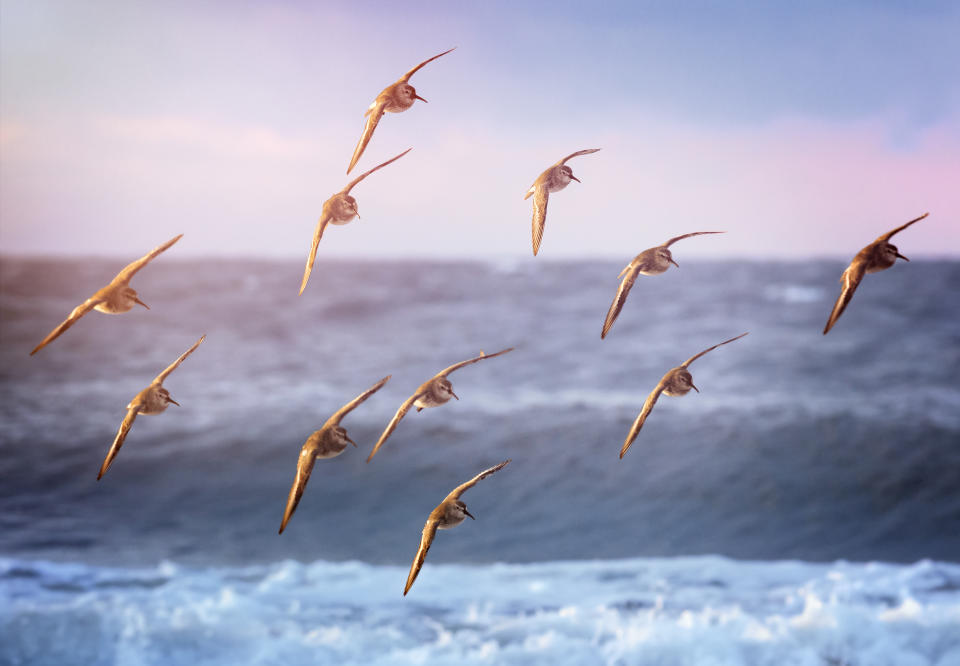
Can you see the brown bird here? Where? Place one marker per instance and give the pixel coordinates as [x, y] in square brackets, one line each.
[653, 261]
[152, 400]
[554, 179]
[432, 393]
[449, 513]
[328, 442]
[115, 298]
[880, 255]
[676, 382]
[395, 98]
[338, 209]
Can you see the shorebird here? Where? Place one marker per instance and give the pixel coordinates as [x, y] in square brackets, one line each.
[449, 513]
[338, 209]
[554, 179]
[676, 382]
[328, 442]
[152, 400]
[432, 393]
[115, 298]
[653, 261]
[396, 97]
[880, 255]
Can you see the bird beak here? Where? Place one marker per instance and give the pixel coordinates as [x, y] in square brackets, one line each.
[902, 257]
[350, 440]
[675, 263]
[694, 387]
[169, 399]
[142, 303]
[420, 98]
[572, 177]
[454, 395]
[469, 514]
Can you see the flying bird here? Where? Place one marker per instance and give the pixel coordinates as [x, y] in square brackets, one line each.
[115, 298]
[432, 393]
[553, 179]
[328, 442]
[152, 400]
[397, 97]
[449, 513]
[880, 255]
[653, 261]
[338, 209]
[676, 382]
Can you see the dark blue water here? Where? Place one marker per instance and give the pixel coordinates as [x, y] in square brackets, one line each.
[799, 445]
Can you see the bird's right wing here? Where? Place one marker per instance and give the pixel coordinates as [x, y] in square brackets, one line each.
[353, 404]
[317, 234]
[577, 154]
[426, 538]
[173, 366]
[541, 197]
[77, 312]
[887, 236]
[404, 408]
[464, 487]
[118, 440]
[373, 114]
[304, 468]
[644, 413]
[626, 284]
[131, 269]
[696, 356]
[850, 281]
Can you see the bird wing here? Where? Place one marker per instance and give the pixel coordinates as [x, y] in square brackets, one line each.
[426, 538]
[404, 408]
[322, 223]
[406, 77]
[130, 270]
[850, 280]
[464, 487]
[626, 284]
[363, 175]
[173, 366]
[118, 440]
[77, 312]
[373, 114]
[577, 154]
[304, 467]
[541, 196]
[644, 413]
[887, 236]
[353, 404]
[457, 366]
[695, 233]
[696, 356]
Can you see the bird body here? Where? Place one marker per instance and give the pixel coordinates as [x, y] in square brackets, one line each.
[554, 179]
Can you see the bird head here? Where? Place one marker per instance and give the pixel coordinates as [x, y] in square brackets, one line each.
[566, 173]
[891, 253]
[446, 389]
[408, 93]
[340, 436]
[463, 510]
[165, 395]
[664, 254]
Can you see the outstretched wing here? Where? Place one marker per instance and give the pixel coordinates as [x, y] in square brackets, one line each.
[77, 312]
[887, 236]
[124, 276]
[541, 196]
[457, 366]
[404, 408]
[373, 114]
[696, 356]
[304, 467]
[577, 154]
[406, 77]
[464, 487]
[118, 440]
[363, 175]
[317, 234]
[426, 538]
[173, 366]
[695, 233]
[641, 419]
[353, 404]
[850, 280]
[626, 284]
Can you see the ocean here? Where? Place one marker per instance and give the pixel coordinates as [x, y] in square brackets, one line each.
[802, 509]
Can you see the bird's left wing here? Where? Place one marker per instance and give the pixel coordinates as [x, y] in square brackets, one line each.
[406, 77]
[173, 366]
[696, 356]
[464, 487]
[353, 404]
[695, 233]
[887, 236]
[457, 366]
[577, 154]
[131, 269]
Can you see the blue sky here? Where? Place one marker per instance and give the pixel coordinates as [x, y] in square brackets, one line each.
[802, 128]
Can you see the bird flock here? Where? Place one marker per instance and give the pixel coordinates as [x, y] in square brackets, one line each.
[331, 439]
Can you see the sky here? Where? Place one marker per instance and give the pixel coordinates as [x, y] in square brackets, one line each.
[801, 129]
